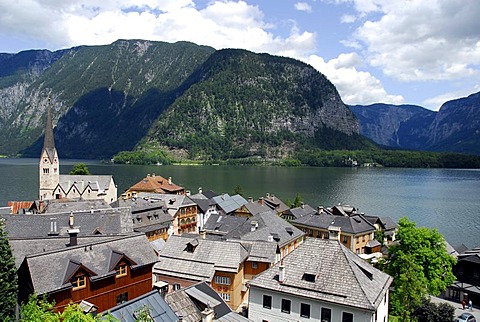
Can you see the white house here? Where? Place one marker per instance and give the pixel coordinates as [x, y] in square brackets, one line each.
[323, 281]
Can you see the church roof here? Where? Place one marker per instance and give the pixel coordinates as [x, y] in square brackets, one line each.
[48, 142]
[155, 183]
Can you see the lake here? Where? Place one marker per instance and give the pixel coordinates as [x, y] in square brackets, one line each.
[446, 199]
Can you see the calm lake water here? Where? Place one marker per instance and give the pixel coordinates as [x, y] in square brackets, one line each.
[446, 199]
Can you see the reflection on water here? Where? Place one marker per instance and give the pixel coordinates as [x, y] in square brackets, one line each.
[442, 198]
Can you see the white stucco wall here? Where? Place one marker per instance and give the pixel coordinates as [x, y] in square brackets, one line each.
[258, 313]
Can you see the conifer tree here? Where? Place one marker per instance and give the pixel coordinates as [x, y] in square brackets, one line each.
[8, 277]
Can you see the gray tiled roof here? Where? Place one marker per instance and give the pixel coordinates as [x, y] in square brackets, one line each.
[224, 223]
[229, 203]
[97, 257]
[66, 205]
[100, 221]
[300, 211]
[172, 202]
[388, 223]
[201, 264]
[256, 207]
[353, 225]
[269, 223]
[341, 277]
[260, 251]
[159, 310]
[97, 182]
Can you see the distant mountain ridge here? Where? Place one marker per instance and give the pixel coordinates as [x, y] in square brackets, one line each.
[454, 128]
[109, 98]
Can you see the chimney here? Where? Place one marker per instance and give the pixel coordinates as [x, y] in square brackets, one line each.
[169, 180]
[268, 195]
[73, 236]
[200, 190]
[320, 210]
[71, 220]
[203, 233]
[250, 199]
[253, 225]
[281, 272]
[208, 314]
[302, 205]
[270, 238]
[260, 200]
[188, 193]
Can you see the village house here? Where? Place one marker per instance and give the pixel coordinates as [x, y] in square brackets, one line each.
[227, 204]
[181, 208]
[149, 216]
[353, 231]
[205, 206]
[53, 185]
[297, 212]
[185, 261]
[275, 204]
[200, 303]
[154, 184]
[320, 281]
[467, 271]
[105, 272]
[252, 208]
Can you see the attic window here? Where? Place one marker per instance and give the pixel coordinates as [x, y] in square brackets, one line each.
[155, 216]
[150, 218]
[308, 277]
[289, 230]
[191, 246]
[121, 270]
[275, 237]
[364, 271]
[79, 282]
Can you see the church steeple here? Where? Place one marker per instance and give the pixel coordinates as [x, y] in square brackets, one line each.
[49, 166]
[49, 142]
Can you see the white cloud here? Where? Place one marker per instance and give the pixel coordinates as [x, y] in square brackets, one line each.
[303, 6]
[354, 86]
[348, 19]
[434, 103]
[422, 40]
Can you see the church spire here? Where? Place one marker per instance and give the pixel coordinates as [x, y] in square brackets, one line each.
[49, 142]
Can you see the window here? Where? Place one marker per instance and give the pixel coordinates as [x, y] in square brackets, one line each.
[121, 270]
[326, 315]
[222, 280]
[286, 305]
[46, 170]
[176, 287]
[326, 235]
[305, 310]
[363, 238]
[347, 317]
[122, 298]
[345, 239]
[267, 301]
[79, 282]
[357, 240]
[308, 277]
[254, 265]
[225, 296]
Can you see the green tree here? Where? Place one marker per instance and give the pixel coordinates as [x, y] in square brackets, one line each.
[8, 277]
[238, 190]
[432, 312]
[80, 169]
[38, 310]
[419, 264]
[143, 314]
[297, 202]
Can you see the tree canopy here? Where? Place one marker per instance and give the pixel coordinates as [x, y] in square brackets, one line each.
[420, 265]
[8, 277]
[80, 169]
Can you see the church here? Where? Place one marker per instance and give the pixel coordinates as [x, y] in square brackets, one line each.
[53, 185]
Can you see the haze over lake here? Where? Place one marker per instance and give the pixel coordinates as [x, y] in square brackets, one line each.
[447, 199]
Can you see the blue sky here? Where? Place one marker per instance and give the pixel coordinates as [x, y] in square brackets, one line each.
[421, 52]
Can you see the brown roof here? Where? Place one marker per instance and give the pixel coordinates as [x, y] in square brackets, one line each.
[17, 205]
[157, 184]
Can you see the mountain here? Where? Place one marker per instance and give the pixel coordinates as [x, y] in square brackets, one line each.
[189, 98]
[454, 128]
[245, 104]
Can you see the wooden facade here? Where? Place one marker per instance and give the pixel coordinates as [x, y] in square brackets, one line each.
[107, 292]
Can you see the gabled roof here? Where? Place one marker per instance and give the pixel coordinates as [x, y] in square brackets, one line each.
[106, 221]
[229, 203]
[266, 224]
[275, 203]
[256, 207]
[95, 182]
[189, 302]
[300, 211]
[200, 264]
[159, 309]
[340, 276]
[157, 184]
[66, 205]
[223, 223]
[388, 223]
[16, 206]
[96, 257]
[354, 224]
[172, 202]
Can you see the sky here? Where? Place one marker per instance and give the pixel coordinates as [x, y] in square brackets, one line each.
[421, 52]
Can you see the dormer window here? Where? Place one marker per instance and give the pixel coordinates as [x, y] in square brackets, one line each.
[121, 270]
[79, 282]
[308, 277]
